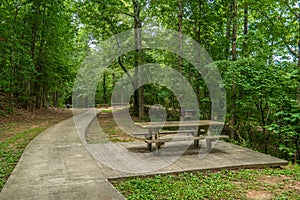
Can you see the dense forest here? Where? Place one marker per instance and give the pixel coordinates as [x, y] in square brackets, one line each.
[255, 44]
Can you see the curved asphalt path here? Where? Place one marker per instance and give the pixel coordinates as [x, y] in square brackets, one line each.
[56, 165]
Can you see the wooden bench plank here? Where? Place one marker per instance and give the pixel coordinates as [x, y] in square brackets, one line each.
[186, 138]
[140, 134]
[165, 132]
[208, 140]
[173, 139]
[177, 131]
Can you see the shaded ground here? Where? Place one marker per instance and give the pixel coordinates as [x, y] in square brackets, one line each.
[21, 120]
[109, 127]
[18, 129]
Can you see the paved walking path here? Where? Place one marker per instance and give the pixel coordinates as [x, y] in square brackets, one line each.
[58, 163]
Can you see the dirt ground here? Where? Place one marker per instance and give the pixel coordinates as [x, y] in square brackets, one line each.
[112, 132]
[279, 184]
[21, 120]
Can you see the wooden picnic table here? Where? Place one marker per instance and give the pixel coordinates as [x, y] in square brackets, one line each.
[198, 128]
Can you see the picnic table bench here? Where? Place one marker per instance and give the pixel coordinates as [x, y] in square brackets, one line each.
[195, 130]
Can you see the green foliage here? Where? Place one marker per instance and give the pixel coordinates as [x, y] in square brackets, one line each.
[266, 110]
[260, 85]
[7, 111]
[183, 186]
[225, 184]
[287, 127]
[42, 43]
[36, 42]
[11, 150]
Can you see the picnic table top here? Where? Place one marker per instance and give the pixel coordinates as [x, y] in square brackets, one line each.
[179, 123]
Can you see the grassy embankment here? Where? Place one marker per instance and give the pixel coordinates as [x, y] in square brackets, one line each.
[18, 129]
[226, 184]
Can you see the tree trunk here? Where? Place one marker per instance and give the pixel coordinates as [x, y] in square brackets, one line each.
[113, 79]
[298, 97]
[27, 94]
[198, 25]
[138, 58]
[228, 28]
[45, 99]
[234, 58]
[55, 99]
[86, 102]
[234, 31]
[12, 70]
[261, 109]
[41, 89]
[104, 88]
[180, 16]
[35, 28]
[37, 7]
[245, 45]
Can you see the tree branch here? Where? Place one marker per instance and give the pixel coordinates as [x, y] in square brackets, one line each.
[130, 15]
[125, 70]
[137, 10]
[119, 59]
[293, 52]
[291, 9]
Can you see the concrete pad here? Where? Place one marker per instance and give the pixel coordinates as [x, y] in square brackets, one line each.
[223, 156]
[56, 165]
[59, 164]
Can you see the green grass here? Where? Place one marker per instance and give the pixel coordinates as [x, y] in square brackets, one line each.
[225, 184]
[18, 130]
[11, 150]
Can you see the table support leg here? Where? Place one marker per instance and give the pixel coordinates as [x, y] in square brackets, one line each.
[198, 133]
[149, 137]
[208, 145]
[196, 143]
[149, 146]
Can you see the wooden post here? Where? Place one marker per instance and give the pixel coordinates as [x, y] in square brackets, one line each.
[208, 145]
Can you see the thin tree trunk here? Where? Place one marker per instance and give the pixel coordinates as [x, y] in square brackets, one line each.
[198, 39]
[28, 93]
[54, 99]
[228, 32]
[33, 44]
[12, 70]
[298, 97]
[35, 28]
[180, 16]
[261, 109]
[41, 87]
[234, 58]
[245, 45]
[138, 58]
[234, 31]
[43, 101]
[113, 79]
[104, 88]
